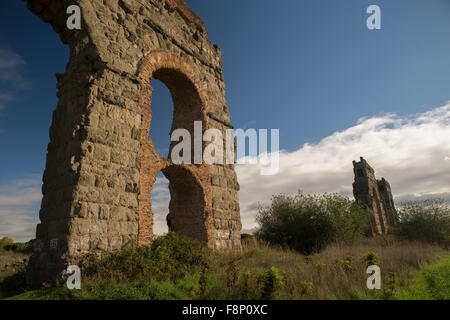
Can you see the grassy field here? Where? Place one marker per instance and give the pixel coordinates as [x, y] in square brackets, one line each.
[10, 257]
[409, 271]
[431, 283]
[338, 272]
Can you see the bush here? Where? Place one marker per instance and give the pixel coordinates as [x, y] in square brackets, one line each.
[427, 221]
[19, 247]
[346, 263]
[272, 282]
[5, 241]
[371, 259]
[307, 288]
[170, 257]
[177, 256]
[246, 236]
[307, 223]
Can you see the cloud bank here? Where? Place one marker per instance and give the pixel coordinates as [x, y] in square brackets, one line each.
[160, 204]
[412, 153]
[19, 203]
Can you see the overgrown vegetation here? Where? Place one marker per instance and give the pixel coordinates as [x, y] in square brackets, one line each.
[308, 247]
[427, 221]
[5, 241]
[19, 247]
[431, 283]
[259, 271]
[307, 223]
[170, 258]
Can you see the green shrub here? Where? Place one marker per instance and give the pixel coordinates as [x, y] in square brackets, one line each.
[371, 259]
[321, 265]
[169, 258]
[246, 236]
[427, 221]
[19, 247]
[177, 256]
[307, 288]
[272, 282]
[5, 241]
[392, 282]
[346, 263]
[307, 223]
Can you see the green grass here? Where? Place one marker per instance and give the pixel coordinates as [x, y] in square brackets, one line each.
[185, 288]
[174, 269]
[431, 283]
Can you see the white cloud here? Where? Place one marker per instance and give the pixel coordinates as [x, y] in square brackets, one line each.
[9, 59]
[17, 199]
[11, 76]
[160, 205]
[11, 65]
[410, 152]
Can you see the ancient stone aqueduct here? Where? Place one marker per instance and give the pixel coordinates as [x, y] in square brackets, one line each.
[101, 162]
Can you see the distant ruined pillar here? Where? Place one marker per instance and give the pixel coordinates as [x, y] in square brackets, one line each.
[101, 162]
[376, 195]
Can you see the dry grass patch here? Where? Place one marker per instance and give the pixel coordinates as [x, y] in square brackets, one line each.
[338, 272]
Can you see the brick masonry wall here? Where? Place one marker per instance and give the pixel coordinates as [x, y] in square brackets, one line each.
[101, 163]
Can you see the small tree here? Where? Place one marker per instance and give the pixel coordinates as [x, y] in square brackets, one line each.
[427, 220]
[272, 282]
[307, 223]
[5, 241]
[371, 259]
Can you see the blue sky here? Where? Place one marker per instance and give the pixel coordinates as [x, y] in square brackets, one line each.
[309, 68]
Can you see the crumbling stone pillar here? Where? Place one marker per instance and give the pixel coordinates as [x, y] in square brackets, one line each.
[376, 195]
[101, 162]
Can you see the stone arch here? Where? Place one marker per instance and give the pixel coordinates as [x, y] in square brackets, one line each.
[187, 200]
[189, 99]
[101, 163]
[188, 95]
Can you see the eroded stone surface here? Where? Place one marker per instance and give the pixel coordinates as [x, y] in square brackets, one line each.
[376, 195]
[101, 162]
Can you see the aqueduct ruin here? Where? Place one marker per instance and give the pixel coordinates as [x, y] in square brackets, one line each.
[101, 162]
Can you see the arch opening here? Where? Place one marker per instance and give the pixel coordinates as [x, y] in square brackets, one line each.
[189, 209]
[160, 199]
[162, 116]
[182, 210]
[187, 105]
